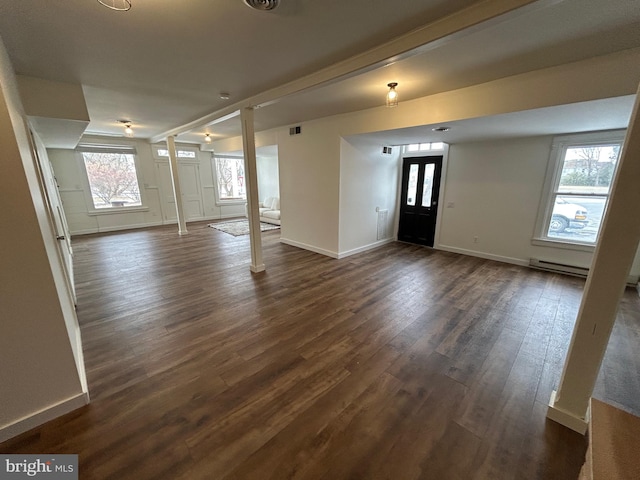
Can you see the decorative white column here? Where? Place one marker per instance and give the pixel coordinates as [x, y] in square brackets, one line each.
[251, 178]
[614, 254]
[175, 181]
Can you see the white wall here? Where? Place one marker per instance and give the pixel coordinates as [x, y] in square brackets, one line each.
[268, 176]
[310, 163]
[310, 187]
[496, 188]
[38, 375]
[368, 181]
[197, 183]
[309, 170]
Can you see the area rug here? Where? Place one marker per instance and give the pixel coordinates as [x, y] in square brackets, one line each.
[240, 227]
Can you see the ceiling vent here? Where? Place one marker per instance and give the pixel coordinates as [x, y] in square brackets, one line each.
[262, 4]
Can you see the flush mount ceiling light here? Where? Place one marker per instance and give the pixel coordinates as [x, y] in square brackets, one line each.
[207, 138]
[441, 129]
[119, 5]
[262, 4]
[224, 96]
[392, 95]
[128, 131]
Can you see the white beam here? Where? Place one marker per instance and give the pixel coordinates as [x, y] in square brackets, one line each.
[614, 254]
[251, 181]
[175, 181]
[457, 25]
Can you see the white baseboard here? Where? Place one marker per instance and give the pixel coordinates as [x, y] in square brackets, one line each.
[257, 268]
[631, 279]
[311, 248]
[43, 416]
[228, 215]
[116, 228]
[86, 231]
[565, 418]
[489, 256]
[150, 224]
[371, 246]
[129, 227]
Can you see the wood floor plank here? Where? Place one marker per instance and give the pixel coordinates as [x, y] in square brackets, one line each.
[479, 407]
[306, 437]
[402, 362]
[453, 456]
[552, 452]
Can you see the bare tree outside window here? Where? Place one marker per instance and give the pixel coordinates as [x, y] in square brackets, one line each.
[112, 179]
[590, 166]
[230, 176]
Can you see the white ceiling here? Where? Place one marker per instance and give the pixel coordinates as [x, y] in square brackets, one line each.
[164, 63]
[605, 114]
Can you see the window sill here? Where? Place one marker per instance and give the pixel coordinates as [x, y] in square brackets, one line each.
[221, 203]
[116, 210]
[580, 247]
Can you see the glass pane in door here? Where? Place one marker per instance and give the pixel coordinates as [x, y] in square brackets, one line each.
[427, 185]
[413, 185]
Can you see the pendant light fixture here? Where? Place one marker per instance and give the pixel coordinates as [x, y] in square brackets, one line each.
[119, 5]
[207, 138]
[128, 131]
[392, 95]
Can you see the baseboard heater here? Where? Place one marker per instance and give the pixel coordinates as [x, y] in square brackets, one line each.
[559, 268]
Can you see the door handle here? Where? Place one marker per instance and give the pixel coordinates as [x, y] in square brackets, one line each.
[434, 203]
[60, 237]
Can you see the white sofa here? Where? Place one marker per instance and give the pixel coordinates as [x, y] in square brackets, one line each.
[270, 210]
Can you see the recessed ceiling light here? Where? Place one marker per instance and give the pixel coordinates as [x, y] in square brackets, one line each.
[262, 4]
[441, 129]
[120, 5]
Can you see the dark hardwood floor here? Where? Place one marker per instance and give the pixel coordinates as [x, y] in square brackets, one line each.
[399, 363]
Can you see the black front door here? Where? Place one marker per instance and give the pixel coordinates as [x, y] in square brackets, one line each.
[419, 199]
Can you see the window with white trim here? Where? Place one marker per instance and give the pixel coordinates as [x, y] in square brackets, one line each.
[423, 147]
[578, 186]
[111, 175]
[181, 153]
[230, 179]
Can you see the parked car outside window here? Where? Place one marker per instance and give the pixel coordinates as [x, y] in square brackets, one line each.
[567, 215]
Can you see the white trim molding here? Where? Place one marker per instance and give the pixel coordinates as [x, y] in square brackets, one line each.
[565, 418]
[365, 248]
[488, 256]
[311, 248]
[43, 416]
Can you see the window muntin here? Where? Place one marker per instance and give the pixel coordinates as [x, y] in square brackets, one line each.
[112, 178]
[578, 196]
[230, 178]
[164, 153]
[423, 147]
